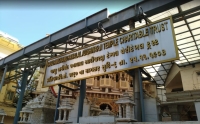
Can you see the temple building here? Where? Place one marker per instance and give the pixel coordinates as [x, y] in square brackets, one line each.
[103, 90]
[141, 66]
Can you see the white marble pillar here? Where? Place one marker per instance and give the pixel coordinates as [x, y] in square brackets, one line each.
[2, 119]
[24, 116]
[60, 112]
[124, 111]
[95, 81]
[29, 117]
[120, 111]
[132, 111]
[65, 114]
[127, 111]
[106, 90]
[21, 119]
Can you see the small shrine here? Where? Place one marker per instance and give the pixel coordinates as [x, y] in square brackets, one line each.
[26, 114]
[39, 110]
[2, 114]
[66, 105]
[126, 108]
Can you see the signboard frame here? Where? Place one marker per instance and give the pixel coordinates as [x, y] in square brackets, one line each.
[118, 70]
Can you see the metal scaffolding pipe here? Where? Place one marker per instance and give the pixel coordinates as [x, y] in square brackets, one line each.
[19, 103]
[141, 95]
[81, 99]
[57, 104]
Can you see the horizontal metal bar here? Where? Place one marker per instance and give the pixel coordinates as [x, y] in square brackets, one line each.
[188, 31]
[183, 13]
[150, 7]
[187, 17]
[188, 23]
[116, 21]
[189, 37]
[63, 48]
[67, 87]
[74, 84]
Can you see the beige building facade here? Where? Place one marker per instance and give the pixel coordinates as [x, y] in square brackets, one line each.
[8, 45]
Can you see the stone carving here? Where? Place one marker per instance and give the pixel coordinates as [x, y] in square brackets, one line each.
[39, 110]
[106, 112]
[126, 108]
[45, 100]
[94, 109]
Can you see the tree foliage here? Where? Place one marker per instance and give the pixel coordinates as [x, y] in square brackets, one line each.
[30, 88]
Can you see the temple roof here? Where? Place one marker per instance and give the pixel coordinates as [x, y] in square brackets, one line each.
[44, 100]
[125, 98]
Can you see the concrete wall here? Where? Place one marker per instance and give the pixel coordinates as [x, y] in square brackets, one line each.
[151, 112]
[43, 115]
[173, 72]
[190, 79]
[184, 77]
[97, 120]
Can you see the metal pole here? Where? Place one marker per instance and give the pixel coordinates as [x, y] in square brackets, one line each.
[136, 89]
[57, 104]
[81, 99]
[3, 77]
[141, 95]
[82, 40]
[19, 103]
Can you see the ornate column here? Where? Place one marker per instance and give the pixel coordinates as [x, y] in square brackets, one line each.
[21, 119]
[29, 117]
[60, 112]
[125, 114]
[64, 117]
[95, 81]
[132, 111]
[124, 111]
[64, 109]
[114, 78]
[128, 111]
[120, 111]
[2, 119]
[24, 116]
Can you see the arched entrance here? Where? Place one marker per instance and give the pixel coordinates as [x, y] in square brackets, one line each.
[104, 105]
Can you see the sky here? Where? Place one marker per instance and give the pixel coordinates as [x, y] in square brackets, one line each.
[30, 20]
